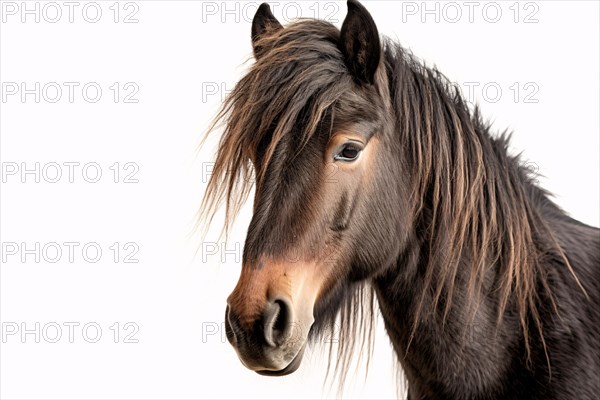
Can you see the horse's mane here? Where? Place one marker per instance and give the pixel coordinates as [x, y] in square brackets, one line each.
[296, 79]
[472, 201]
[476, 205]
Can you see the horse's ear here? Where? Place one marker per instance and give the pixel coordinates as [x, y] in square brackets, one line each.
[359, 42]
[264, 21]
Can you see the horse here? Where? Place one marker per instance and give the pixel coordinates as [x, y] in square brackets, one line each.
[375, 182]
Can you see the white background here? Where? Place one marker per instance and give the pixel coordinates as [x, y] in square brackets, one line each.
[183, 56]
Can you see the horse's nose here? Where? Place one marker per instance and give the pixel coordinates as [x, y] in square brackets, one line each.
[277, 318]
[268, 335]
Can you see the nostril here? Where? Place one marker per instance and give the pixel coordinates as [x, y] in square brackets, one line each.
[229, 326]
[281, 320]
[271, 316]
[277, 322]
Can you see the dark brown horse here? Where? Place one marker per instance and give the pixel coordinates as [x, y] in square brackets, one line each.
[373, 176]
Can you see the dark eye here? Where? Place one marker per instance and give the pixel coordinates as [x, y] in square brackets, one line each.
[348, 152]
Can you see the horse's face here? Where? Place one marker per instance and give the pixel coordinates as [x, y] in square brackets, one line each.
[321, 208]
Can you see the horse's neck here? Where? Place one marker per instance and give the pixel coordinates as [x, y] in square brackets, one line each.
[454, 350]
[470, 351]
[399, 294]
[449, 345]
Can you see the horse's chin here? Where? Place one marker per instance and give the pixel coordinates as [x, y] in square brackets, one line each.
[291, 367]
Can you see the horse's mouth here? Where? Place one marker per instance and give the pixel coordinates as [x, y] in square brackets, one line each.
[292, 366]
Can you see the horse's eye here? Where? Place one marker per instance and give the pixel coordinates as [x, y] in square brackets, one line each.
[348, 152]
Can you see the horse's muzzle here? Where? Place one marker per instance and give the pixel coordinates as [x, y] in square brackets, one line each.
[273, 344]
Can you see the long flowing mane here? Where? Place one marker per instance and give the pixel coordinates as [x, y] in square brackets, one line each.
[479, 206]
[296, 79]
[475, 206]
